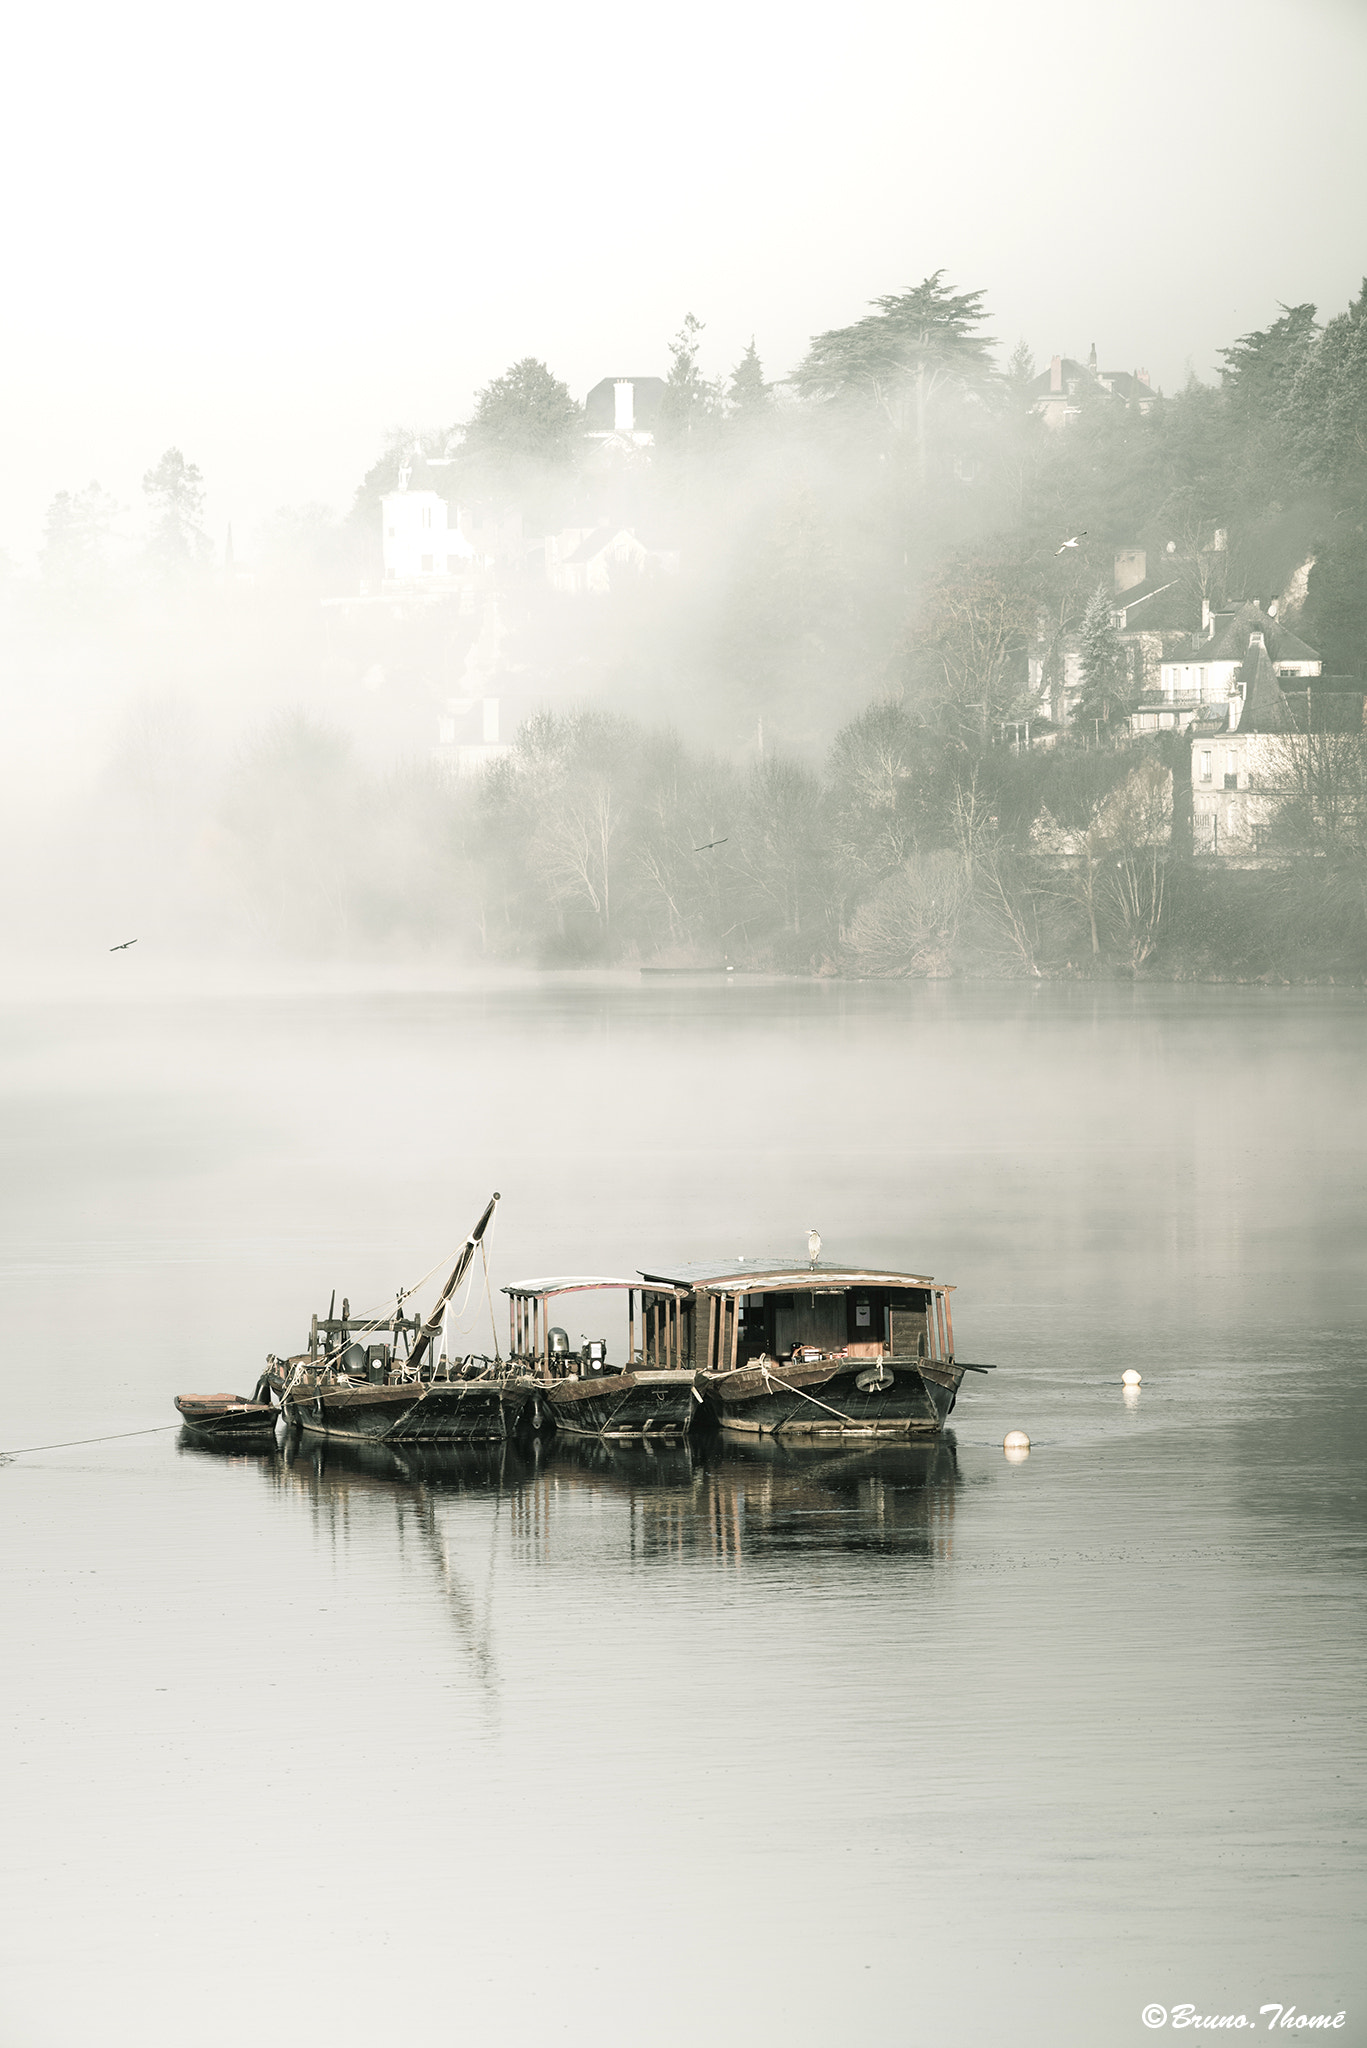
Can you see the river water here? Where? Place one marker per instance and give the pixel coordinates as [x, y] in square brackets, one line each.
[914, 1746]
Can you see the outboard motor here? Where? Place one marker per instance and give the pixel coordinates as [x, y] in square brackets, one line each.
[558, 1345]
[353, 1361]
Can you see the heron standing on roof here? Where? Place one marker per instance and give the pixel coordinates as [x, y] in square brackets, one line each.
[813, 1244]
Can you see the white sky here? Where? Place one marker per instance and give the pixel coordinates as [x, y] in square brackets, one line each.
[266, 232]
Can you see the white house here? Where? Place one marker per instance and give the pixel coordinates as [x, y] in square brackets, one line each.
[1210, 674]
[419, 541]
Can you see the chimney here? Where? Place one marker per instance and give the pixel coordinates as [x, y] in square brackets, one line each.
[1143, 377]
[1091, 360]
[623, 405]
[1131, 567]
[1056, 373]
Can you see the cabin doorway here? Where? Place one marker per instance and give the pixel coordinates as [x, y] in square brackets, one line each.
[815, 1319]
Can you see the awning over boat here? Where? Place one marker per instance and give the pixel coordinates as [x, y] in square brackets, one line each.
[576, 1283]
[769, 1276]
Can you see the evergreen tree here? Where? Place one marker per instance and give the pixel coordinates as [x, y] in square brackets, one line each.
[77, 526]
[749, 395]
[689, 401]
[1105, 683]
[898, 362]
[175, 493]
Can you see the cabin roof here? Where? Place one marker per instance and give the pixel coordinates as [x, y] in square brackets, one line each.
[766, 1275]
[567, 1283]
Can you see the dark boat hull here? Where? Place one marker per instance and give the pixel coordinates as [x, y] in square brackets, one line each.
[436, 1412]
[824, 1399]
[624, 1404]
[227, 1419]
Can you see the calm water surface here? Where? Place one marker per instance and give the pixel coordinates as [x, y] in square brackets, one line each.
[897, 1745]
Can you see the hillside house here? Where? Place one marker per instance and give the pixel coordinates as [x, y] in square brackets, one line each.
[621, 411]
[1207, 674]
[591, 561]
[420, 543]
[1058, 393]
[1242, 765]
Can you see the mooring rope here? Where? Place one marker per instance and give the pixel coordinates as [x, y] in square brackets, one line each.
[766, 1375]
[75, 1442]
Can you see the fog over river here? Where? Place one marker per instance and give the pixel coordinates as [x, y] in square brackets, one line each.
[811, 1747]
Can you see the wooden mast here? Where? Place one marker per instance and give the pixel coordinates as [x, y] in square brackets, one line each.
[457, 1274]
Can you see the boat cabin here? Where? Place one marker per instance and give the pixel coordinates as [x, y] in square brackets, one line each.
[542, 1346]
[777, 1309]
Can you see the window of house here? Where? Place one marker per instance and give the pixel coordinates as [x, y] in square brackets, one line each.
[1203, 682]
[1205, 767]
[427, 562]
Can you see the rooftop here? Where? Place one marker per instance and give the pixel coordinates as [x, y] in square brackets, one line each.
[761, 1275]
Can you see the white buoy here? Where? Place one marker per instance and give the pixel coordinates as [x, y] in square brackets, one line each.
[1015, 1440]
[1130, 1378]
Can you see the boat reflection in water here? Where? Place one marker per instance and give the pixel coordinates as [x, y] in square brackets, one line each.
[252, 1450]
[723, 1498]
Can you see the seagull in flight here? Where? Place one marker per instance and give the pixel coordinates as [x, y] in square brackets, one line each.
[1073, 542]
[123, 947]
[710, 844]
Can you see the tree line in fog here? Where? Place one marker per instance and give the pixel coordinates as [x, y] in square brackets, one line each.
[598, 841]
[791, 751]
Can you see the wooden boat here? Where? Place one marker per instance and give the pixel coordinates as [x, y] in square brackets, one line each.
[805, 1349]
[398, 1390]
[229, 1418]
[649, 1394]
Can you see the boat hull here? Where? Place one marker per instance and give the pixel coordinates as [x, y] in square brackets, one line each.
[624, 1404]
[824, 1399]
[227, 1418]
[435, 1412]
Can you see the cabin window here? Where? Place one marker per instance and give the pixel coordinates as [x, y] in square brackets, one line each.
[1205, 767]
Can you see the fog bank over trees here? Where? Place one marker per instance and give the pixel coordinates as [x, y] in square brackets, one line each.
[793, 739]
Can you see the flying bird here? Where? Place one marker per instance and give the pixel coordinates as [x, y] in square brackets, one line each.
[813, 1244]
[123, 947]
[1073, 542]
[710, 844]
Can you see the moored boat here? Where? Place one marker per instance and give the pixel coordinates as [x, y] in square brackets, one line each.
[793, 1348]
[650, 1393]
[394, 1387]
[230, 1418]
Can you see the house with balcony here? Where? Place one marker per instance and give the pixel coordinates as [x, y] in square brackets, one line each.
[1206, 675]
